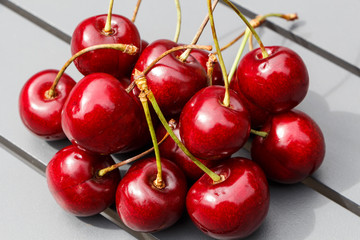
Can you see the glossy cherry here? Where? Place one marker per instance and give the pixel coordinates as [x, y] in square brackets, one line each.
[208, 129]
[202, 57]
[293, 149]
[40, 113]
[144, 207]
[277, 83]
[91, 32]
[234, 207]
[100, 116]
[72, 180]
[172, 81]
[170, 150]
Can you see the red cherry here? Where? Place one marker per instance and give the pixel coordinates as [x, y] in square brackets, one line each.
[39, 113]
[100, 116]
[277, 83]
[91, 32]
[202, 57]
[172, 81]
[72, 180]
[170, 150]
[293, 149]
[208, 129]
[142, 206]
[233, 208]
[258, 115]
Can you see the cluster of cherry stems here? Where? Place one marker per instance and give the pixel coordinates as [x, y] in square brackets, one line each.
[212, 115]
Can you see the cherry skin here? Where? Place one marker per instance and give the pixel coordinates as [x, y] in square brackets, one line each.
[101, 117]
[72, 180]
[208, 129]
[293, 149]
[40, 113]
[277, 83]
[258, 115]
[91, 32]
[144, 207]
[234, 207]
[172, 81]
[202, 57]
[170, 150]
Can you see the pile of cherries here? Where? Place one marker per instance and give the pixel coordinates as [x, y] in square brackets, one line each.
[208, 121]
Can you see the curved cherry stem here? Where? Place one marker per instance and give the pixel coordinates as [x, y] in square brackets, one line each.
[125, 48]
[263, 50]
[136, 11]
[158, 183]
[178, 24]
[186, 54]
[104, 171]
[259, 133]
[226, 101]
[107, 30]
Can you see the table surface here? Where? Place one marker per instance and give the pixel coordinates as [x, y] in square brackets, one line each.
[36, 35]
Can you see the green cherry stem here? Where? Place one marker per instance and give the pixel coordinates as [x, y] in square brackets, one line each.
[107, 30]
[212, 175]
[263, 50]
[125, 48]
[186, 54]
[136, 11]
[104, 171]
[178, 24]
[238, 55]
[158, 183]
[226, 101]
[259, 133]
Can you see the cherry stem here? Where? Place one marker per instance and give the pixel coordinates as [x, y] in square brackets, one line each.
[178, 25]
[107, 29]
[210, 68]
[263, 50]
[156, 107]
[158, 183]
[238, 55]
[186, 54]
[104, 171]
[125, 48]
[251, 45]
[259, 133]
[226, 101]
[136, 11]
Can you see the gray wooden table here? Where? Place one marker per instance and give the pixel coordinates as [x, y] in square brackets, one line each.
[35, 36]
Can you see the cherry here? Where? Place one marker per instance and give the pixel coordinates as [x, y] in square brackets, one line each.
[276, 83]
[258, 115]
[234, 207]
[202, 57]
[72, 180]
[91, 32]
[40, 113]
[172, 81]
[100, 116]
[144, 207]
[293, 149]
[170, 150]
[208, 129]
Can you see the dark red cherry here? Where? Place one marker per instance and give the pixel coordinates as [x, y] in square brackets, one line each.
[172, 81]
[233, 208]
[72, 180]
[100, 116]
[40, 113]
[144, 207]
[170, 150]
[91, 32]
[277, 83]
[293, 149]
[208, 129]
